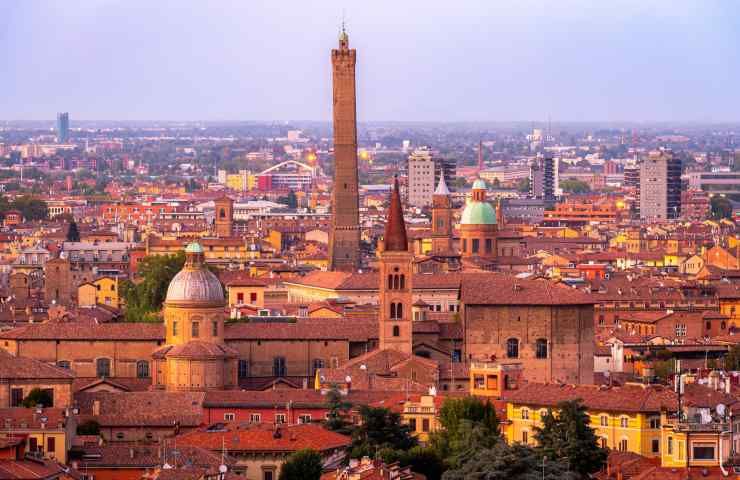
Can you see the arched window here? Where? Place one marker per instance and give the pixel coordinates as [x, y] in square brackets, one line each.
[399, 310]
[403, 281]
[195, 333]
[317, 363]
[390, 282]
[142, 369]
[222, 213]
[512, 348]
[396, 331]
[278, 367]
[393, 310]
[541, 348]
[395, 282]
[102, 367]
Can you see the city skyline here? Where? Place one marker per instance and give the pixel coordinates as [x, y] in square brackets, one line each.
[260, 62]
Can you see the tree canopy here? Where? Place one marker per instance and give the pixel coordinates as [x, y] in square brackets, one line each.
[721, 207]
[38, 396]
[144, 299]
[73, 234]
[568, 436]
[338, 407]
[574, 186]
[380, 428]
[302, 465]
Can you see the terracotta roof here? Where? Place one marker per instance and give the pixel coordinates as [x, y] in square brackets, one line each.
[153, 409]
[506, 290]
[279, 398]
[12, 367]
[201, 349]
[129, 455]
[15, 418]
[354, 330]
[628, 398]
[265, 438]
[86, 331]
[30, 469]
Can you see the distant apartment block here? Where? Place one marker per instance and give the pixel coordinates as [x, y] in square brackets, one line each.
[63, 127]
[421, 168]
[716, 183]
[660, 186]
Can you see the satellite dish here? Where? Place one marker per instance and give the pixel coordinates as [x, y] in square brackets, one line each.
[223, 468]
[348, 379]
[721, 409]
[363, 367]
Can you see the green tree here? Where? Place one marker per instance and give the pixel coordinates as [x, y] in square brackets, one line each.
[88, 427]
[574, 186]
[73, 234]
[568, 437]
[38, 397]
[338, 407]
[523, 185]
[504, 462]
[380, 428]
[292, 199]
[31, 208]
[144, 299]
[467, 425]
[732, 359]
[721, 207]
[302, 465]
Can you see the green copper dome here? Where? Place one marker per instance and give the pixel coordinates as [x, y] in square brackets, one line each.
[194, 248]
[479, 184]
[478, 213]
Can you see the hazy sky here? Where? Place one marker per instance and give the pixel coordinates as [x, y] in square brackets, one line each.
[417, 59]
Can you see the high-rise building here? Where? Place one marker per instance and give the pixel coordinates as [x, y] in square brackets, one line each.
[660, 186]
[421, 177]
[344, 236]
[543, 180]
[63, 127]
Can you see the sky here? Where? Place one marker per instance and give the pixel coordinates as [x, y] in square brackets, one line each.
[418, 60]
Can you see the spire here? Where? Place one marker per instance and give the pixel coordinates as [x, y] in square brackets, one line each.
[395, 227]
[442, 185]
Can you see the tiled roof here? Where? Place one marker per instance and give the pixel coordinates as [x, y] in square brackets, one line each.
[12, 367]
[128, 455]
[629, 398]
[265, 438]
[201, 349]
[354, 330]
[30, 469]
[160, 409]
[499, 289]
[15, 418]
[86, 331]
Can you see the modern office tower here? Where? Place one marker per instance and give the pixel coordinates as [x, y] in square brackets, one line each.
[543, 180]
[344, 236]
[421, 174]
[63, 127]
[660, 186]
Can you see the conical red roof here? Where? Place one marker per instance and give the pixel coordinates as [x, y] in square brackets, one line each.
[395, 227]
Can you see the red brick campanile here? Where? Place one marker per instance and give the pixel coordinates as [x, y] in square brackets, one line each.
[344, 237]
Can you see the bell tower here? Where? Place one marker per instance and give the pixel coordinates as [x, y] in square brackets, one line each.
[396, 281]
[224, 207]
[441, 218]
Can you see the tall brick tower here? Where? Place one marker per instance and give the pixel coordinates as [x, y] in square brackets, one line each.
[224, 216]
[344, 237]
[441, 218]
[395, 267]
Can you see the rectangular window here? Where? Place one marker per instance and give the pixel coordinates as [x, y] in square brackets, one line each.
[174, 328]
[268, 475]
[476, 245]
[656, 445]
[214, 328]
[425, 425]
[623, 422]
[489, 245]
[304, 418]
[655, 422]
[240, 297]
[195, 330]
[525, 414]
[255, 418]
[623, 445]
[280, 418]
[51, 445]
[32, 444]
[243, 369]
[412, 424]
[16, 397]
[525, 437]
[604, 420]
[229, 417]
[703, 451]
[253, 297]
[670, 445]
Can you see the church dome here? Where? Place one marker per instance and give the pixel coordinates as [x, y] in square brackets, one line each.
[479, 184]
[478, 213]
[195, 284]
